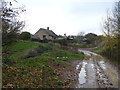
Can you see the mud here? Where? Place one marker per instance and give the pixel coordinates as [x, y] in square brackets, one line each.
[96, 73]
[93, 72]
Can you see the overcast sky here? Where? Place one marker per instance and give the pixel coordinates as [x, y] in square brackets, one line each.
[65, 16]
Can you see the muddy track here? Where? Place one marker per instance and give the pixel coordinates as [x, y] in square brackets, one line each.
[93, 73]
[102, 79]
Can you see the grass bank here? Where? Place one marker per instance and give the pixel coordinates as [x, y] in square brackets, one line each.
[99, 51]
[34, 71]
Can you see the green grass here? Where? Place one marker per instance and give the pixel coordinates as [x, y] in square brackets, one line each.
[96, 50]
[22, 46]
[99, 50]
[35, 71]
[114, 62]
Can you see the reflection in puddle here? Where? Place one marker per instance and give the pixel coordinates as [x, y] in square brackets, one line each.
[92, 65]
[88, 52]
[77, 67]
[99, 73]
[102, 64]
[82, 74]
[85, 52]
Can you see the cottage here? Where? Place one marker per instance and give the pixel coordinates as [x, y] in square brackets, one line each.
[45, 34]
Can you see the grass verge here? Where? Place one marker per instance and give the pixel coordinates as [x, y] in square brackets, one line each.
[99, 50]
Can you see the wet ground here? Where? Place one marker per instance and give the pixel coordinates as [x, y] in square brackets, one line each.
[92, 72]
[95, 72]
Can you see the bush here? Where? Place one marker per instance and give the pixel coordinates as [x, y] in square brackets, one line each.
[25, 36]
[41, 49]
[62, 42]
[31, 53]
[9, 38]
[38, 50]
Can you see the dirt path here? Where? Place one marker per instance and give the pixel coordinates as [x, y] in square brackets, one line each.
[95, 72]
[92, 72]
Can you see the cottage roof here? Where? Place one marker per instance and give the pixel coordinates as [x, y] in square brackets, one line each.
[50, 32]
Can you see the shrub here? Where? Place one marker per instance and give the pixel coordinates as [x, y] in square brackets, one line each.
[41, 49]
[62, 42]
[25, 36]
[31, 53]
[38, 50]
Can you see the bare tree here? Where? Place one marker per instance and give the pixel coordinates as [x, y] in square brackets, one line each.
[81, 34]
[111, 30]
[116, 18]
[10, 22]
[111, 24]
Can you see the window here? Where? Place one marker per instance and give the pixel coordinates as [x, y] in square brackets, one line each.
[44, 36]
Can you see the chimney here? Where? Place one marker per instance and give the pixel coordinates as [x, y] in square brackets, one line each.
[47, 28]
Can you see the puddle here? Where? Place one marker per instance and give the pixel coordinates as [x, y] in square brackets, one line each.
[88, 52]
[82, 74]
[77, 67]
[102, 64]
[94, 53]
[99, 73]
[85, 52]
[92, 65]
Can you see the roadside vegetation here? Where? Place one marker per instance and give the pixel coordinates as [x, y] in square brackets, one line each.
[111, 37]
[35, 71]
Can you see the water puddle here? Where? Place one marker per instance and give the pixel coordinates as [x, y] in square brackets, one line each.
[77, 67]
[85, 52]
[94, 53]
[88, 52]
[82, 74]
[99, 73]
[102, 64]
[92, 65]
